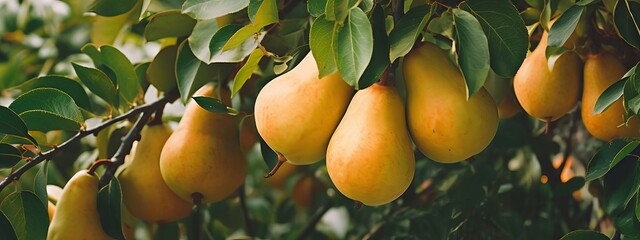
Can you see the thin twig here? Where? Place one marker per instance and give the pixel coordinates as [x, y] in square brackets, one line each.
[248, 222]
[60, 148]
[311, 225]
[197, 215]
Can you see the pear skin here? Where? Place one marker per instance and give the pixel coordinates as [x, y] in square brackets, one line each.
[296, 113]
[76, 216]
[203, 155]
[304, 192]
[544, 94]
[509, 105]
[51, 209]
[444, 125]
[370, 157]
[602, 70]
[144, 192]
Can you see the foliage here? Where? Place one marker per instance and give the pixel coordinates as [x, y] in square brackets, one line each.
[65, 72]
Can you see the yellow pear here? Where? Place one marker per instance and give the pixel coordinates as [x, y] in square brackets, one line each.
[203, 155]
[76, 216]
[444, 125]
[144, 192]
[296, 113]
[544, 94]
[51, 209]
[602, 70]
[370, 157]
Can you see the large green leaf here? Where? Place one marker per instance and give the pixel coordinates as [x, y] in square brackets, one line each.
[316, 7]
[46, 109]
[107, 8]
[353, 47]
[98, 82]
[105, 30]
[236, 54]
[267, 14]
[27, 215]
[170, 23]
[609, 96]
[321, 43]
[69, 86]
[607, 157]
[141, 71]
[584, 235]
[626, 17]
[9, 156]
[208, 9]
[247, 70]
[40, 183]
[564, 26]
[12, 124]
[380, 57]
[110, 207]
[337, 10]
[6, 229]
[109, 57]
[162, 72]
[406, 31]
[472, 50]
[619, 184]
[191, 73]
[201, 37]
[505, 31]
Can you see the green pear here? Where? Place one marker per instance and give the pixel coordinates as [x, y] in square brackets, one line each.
[296, 113]
[370, 157]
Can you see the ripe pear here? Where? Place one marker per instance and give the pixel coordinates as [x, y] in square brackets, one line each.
[370, 157]
[76, 214]
[602, 70]
[296, 113]
[51, 209]
[444, 125]
[545, 94]
[203, 155]
[509, 105]
[144, 192]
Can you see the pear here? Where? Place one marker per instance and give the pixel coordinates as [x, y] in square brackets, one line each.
[296, 113]
[602, 70]
[305, 191]
[444, 125]
[51, 209]
[370, 157]
[548, 94]
[144, 192]
[509, 106]
[203, 155]
[76, 214]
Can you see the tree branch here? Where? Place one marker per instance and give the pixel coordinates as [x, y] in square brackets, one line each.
[308, 230]
[60, 148]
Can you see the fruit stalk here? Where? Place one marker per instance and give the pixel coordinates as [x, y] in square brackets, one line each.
[170, 97]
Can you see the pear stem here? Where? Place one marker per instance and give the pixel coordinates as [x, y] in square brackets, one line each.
[357, 204]
[547, 125]
[281, 160]
[97, 164]
[197, 217]
[169, 97]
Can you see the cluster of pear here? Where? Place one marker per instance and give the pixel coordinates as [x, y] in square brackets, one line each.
[200, 162]
[365, 135]
[548, 94]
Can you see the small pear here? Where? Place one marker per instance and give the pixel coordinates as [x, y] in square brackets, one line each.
[370, 157]
[203, 155]
[305, 191]
[602, 70]
[76, 216]
[545, 94]
[296, 113]
[444, 125]
[144, 192]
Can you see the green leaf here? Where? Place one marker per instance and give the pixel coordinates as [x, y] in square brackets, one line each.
[550, 7]
[619, 183]
[609, 96]
[337, 10]
[472, 50]
[162, 72]
[141, 72]
[505, 31]
[46, 109]
[602, 162]
[191, 73]
[243, 34]
[170, 23]
[214, 105]
[585, 2]
[109, 208]
[567, 188]
[168, 231]
[69, 86]
[626, 18]
[6, 229]
[105, 30]
[635, 185]
[109, 57]
[638, 207]
[380, 57]
[268, 155]
[40, 183]
[564, 26]
[584, 235]
[12, 124]
[28, 217]
[98, 83]
[201, 37]
[626, 223]
[9, 156]
[267, 14]
[404, 35]
[321, 43]
[353, 47]
[107, 8]
[208, 9]
[316, 7]
[247, 70]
